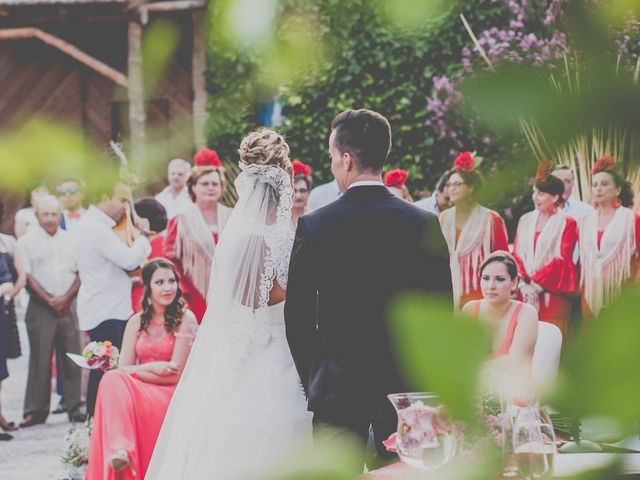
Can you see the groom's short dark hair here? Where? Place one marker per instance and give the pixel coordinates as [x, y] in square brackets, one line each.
[366, 135]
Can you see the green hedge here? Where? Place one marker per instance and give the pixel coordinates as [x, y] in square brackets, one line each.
[375, 65]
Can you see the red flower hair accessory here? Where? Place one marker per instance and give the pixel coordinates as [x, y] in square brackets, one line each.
[545, 167]
[396, 178]
[300, 168]
[605, 164]
[465, 162]
[207, 158]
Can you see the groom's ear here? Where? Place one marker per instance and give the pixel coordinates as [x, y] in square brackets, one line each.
[348, 161]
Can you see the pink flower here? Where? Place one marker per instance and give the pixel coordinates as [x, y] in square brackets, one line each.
[390, 443]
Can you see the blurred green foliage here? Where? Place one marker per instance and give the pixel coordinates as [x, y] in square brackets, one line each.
[423, 328]
[374, 54]
[46, 151]
[600, 375]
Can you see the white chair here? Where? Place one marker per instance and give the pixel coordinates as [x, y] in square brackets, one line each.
[546, 354]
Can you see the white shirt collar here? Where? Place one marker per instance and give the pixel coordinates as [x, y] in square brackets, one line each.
[42, 232]
[568, 201]
[101, 216]
[366, 183]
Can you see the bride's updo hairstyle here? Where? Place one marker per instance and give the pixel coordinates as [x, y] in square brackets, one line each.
[265, 147]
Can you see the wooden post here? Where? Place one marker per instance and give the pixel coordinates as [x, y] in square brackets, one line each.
[198, 82]
[137, 114]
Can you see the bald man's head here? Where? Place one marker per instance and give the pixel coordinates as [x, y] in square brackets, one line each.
[49, 213]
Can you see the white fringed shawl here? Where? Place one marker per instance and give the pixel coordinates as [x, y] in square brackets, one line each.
[535, 256]
[549, 241]
[195, 247]
[474, 245]
[605, 269]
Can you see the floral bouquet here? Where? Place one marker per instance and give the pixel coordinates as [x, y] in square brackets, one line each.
[102, 355]
[77, 441]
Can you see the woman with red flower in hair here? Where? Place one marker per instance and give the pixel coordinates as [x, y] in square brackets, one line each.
[545, 241]
[395, 181]
[302, 183]
[609, 239]
[472, 231]
[192, 234]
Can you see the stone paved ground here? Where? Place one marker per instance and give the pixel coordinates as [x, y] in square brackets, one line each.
[34, 453]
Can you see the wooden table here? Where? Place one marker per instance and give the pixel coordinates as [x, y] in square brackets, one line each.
[565, 465]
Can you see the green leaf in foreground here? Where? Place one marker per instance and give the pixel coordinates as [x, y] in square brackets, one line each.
[600, 375]
[330, 459]
[440, 352]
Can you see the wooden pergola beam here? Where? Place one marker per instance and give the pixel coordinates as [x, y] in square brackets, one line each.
[171, 6]
[174, 5]
[67, 48]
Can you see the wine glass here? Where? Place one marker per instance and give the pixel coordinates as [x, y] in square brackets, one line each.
[425, 437]
[534, 443]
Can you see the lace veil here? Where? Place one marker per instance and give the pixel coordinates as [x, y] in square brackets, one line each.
[253, 253]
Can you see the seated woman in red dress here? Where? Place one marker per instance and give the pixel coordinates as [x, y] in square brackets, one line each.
[514, 324]
[472, 232]
[544, 245]
[609, 239]
[192, 235]
[133, 400]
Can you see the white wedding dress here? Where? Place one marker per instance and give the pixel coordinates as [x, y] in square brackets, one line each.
[239, 411]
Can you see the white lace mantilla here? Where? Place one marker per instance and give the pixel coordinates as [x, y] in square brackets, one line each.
[278, 236]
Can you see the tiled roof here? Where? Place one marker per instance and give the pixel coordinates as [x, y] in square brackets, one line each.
[25, 3]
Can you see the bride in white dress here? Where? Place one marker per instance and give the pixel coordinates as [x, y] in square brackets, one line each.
[239, 410]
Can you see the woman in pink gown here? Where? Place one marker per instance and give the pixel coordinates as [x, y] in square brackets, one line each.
[132, 400]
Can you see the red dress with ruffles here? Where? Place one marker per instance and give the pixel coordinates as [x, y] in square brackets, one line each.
[196, 300]
[558, 278]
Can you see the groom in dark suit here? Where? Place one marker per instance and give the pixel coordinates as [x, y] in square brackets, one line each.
[350, 259]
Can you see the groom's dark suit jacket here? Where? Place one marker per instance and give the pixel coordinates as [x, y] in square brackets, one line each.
[349, 260]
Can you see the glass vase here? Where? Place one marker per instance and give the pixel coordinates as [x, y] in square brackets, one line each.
[426, 437]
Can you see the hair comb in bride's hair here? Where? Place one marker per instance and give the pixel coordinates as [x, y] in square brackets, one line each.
[271, 174]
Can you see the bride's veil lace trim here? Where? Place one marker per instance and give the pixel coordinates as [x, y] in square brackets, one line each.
[278, 236]
[217, 398]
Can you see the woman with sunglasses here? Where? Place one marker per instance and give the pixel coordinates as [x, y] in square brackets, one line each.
[71, 194]
[472, 231]
[192, 235]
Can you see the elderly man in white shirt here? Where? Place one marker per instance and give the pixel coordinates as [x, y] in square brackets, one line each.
[175, 196]
[572, 206]
[104, 300]
[47, 257]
